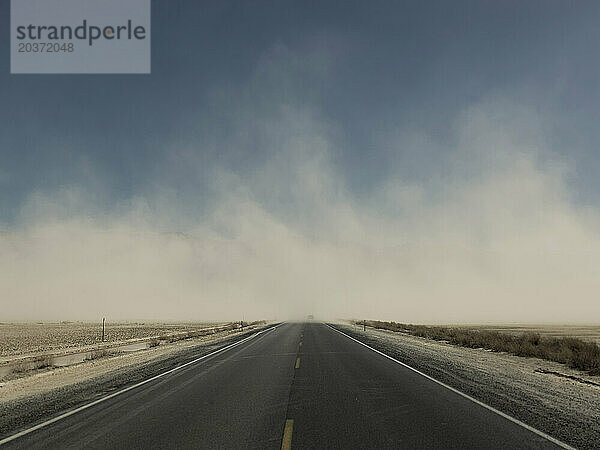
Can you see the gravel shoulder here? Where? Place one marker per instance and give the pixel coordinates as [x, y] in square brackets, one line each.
[44, 393]
[566, 408]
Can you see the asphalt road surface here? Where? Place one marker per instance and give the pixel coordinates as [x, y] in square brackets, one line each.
[300, 385]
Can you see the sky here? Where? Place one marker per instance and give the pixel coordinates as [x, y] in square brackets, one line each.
[427, 162]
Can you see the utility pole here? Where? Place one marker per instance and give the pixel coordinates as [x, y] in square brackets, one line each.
[364, 325]
[103, 320]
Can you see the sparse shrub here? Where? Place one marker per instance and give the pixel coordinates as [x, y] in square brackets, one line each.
[40, 362]
[574, 352]
[96, 354]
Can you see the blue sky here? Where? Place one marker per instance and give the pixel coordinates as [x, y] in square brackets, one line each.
[394, 116]
[386, 67]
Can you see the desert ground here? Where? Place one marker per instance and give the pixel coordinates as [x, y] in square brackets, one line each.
[585, 332]
[32, 338]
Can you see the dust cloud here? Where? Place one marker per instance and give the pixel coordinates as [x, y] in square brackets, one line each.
[489, 233]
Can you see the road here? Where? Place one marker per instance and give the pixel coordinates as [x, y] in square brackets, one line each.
[300, 385]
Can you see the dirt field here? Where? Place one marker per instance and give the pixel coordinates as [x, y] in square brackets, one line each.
[32, 338]
[585, 332]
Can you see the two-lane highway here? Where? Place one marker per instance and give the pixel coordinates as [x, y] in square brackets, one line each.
[295, 386]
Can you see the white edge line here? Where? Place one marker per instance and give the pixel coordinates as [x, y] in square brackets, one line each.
[480, 403]
[122, 391]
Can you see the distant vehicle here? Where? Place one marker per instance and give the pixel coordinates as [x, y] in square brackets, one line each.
[310, 317]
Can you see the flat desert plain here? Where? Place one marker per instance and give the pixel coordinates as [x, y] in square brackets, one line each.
[585, 332]
[32, 338]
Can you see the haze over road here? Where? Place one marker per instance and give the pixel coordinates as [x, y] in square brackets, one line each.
[304, 385]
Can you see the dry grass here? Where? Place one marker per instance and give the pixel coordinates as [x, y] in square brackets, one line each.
[96, 354]
[203, 332]
[576, 353]
[583, 332]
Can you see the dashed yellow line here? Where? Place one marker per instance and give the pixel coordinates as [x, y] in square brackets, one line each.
[286, 442]
[297, 363]
[300, 344]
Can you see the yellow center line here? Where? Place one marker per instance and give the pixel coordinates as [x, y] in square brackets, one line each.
[286, 442]
[297, 363]
[300, 344]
